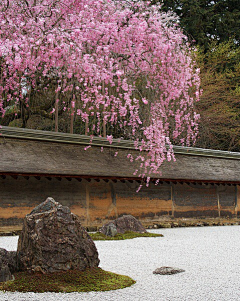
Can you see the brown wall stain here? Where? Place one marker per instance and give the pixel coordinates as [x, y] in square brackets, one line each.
[100, 200]
[79, 211]
[237, 205]
[14, 212]
[141, 207]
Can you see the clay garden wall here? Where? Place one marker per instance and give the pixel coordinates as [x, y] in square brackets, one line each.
[98, 185]
[96, 202]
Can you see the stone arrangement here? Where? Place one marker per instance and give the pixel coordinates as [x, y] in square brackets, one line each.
[123, 224]
[53, 240]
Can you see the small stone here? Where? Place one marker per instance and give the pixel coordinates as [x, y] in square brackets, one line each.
[8, 264]
[125, 223]
[167, 271]
[38, 269]
[111, 230]
[166, 225]
[5, 274]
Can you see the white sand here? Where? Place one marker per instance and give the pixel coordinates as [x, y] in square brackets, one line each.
[209, 255]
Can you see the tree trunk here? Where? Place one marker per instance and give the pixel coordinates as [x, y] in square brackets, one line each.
[72, 116]
[56, 113]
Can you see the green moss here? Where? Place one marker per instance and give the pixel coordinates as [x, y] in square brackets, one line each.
[94, 279]
[119, 236]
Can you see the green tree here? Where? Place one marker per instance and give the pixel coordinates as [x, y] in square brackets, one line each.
[219, 105]
[215, 27]
[207, 20]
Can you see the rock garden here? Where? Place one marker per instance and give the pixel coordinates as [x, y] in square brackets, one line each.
[56, 254]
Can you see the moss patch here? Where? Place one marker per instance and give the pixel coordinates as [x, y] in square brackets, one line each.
[119, 236]
[94, 279]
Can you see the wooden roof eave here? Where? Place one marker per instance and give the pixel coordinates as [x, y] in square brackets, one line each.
[38, 176]
[28, 134]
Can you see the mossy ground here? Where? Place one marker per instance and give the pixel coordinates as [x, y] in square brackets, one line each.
[94, 279]
[119, 236]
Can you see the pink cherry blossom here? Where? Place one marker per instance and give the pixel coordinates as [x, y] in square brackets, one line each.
[123, 63]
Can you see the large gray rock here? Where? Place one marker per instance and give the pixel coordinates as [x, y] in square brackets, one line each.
[53, 240]
[124, 224]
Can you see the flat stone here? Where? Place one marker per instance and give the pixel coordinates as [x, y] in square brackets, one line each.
[167, 271]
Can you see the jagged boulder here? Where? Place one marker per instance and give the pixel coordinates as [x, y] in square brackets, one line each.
[53, 240]
[124, 224]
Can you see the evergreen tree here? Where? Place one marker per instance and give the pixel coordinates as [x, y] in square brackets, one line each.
[207, 20]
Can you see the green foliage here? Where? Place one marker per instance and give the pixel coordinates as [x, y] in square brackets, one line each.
[207, 20]
[215, 26]
[219, 105]
[119, 236]
[66, 282]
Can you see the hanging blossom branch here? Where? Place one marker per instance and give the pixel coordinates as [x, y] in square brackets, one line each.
[126, 64]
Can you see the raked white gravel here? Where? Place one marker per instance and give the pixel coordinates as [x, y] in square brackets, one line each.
[210, 257]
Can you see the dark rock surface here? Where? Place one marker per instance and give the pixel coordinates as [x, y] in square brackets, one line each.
[8, 264]
[53, 240]
[5, 274]
[168, 271]
[9, 258]
[123, 224]
[13, 261]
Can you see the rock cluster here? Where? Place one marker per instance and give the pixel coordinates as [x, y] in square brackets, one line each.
[53, 240]
[123, 224]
